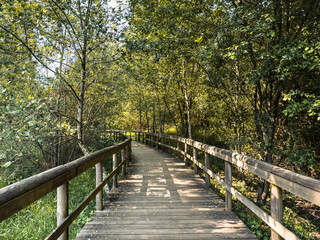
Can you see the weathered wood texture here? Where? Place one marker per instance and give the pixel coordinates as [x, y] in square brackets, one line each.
[63, 207]
[19, 195]
[303, 186]
[163, 199]
[99, 178]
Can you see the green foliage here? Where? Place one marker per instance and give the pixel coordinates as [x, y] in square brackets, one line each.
[236, 74]
[34, 222]
[39, 219]
[304, 229]
[301, 102]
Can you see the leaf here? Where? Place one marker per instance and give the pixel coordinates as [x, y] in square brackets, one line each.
[7, 164]
[199, 40]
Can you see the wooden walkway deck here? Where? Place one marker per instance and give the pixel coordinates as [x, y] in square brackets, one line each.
[163, 199]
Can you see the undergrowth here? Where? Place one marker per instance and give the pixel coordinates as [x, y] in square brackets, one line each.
[304, 228]
[39, 219]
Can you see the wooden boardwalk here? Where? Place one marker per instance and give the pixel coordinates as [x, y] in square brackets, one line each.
[163, 199]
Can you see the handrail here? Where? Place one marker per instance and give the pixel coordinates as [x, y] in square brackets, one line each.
[17, 196]
[280, 178]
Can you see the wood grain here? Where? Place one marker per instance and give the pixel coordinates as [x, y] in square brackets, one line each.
[163, 199]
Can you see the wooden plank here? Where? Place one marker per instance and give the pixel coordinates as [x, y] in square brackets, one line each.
[161, 237]
[273, 223]
[167, 231]
[300, 185]
[161, 197]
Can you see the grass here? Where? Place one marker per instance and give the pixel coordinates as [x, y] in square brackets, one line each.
[39, 219]
[33, 222]
[304, 228]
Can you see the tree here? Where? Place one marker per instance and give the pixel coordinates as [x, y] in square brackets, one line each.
[64, 32]
[260, 58]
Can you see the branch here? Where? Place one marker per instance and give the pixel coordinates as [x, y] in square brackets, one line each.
[73, 42]
[68, 20]
[39, 60]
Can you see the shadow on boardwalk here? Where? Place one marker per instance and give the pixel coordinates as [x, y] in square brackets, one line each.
[163, 199]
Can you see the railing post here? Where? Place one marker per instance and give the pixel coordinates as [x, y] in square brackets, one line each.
[115, 177]
[169, 143]
[207, 162]
[130, 157]
[99, 196]
[178, 147]
[228, 179]
[158, 137]
[162, 142]
[195, 157]
[185, 152]
[127, 156]
[63, 207]
[276, 208]
[123, 158]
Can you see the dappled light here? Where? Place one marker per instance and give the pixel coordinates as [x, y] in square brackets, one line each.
[162, 199]
[231, 88]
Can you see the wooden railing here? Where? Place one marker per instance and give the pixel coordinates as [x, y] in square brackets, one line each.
[17, 196]
[279, 178]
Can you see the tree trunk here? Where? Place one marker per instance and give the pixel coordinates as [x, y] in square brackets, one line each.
[83, 85]
[154, 127]
[186, 98]
[188, 111]
[182, 132]
[163, 120]
[80, 119]
[140, 114]
[148, 127]
[170, 113]
[160, 123]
